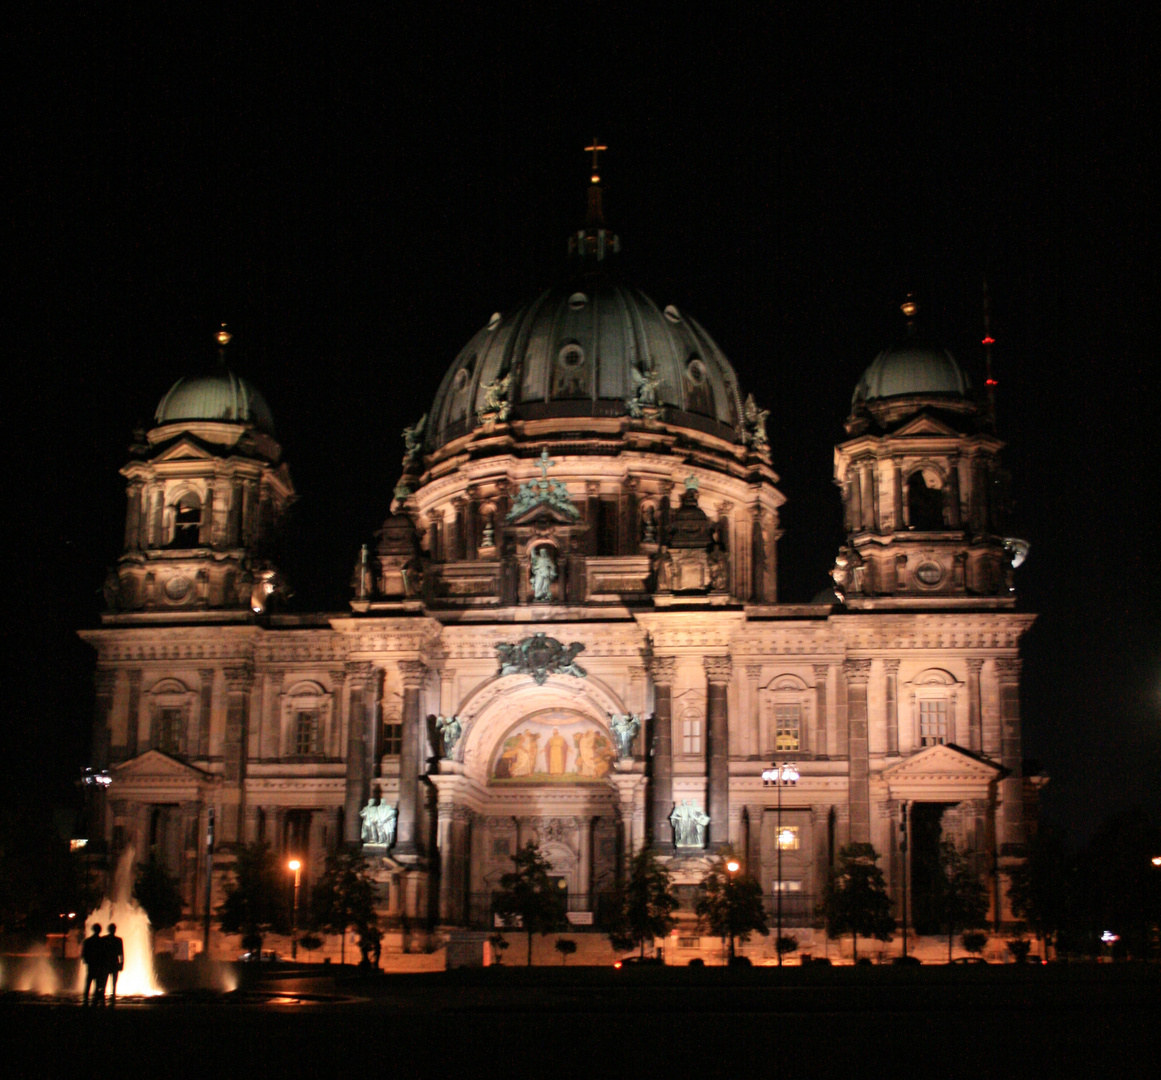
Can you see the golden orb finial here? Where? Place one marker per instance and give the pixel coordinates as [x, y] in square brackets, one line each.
[909, 307]
[223, 336]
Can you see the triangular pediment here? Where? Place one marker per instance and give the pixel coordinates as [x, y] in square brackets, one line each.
[543, 514]
[925, 424]
[942, 762]
[185, 449]
[155, 766]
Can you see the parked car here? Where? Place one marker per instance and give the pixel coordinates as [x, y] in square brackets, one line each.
[969, 960]
[266, 956]
[630, 961]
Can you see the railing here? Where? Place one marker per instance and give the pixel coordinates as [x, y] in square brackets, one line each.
[798, 909]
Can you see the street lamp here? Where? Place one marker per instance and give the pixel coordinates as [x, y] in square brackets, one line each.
[786, 774]
[733, 866]
[296, 866]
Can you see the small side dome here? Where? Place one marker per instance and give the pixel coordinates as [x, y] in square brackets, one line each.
[916, 365]
[222, 396]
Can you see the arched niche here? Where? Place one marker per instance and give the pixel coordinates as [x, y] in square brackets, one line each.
[495, 708]
[552, 745]
[787, 705]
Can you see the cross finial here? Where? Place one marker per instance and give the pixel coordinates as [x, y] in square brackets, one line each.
[546, 463]
[595, 150]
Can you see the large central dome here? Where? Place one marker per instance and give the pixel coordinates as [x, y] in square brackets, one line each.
[595, 347]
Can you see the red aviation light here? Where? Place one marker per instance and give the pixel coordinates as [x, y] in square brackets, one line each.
[989, 340]
[991, 382]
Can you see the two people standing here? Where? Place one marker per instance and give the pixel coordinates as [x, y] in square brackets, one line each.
[103, 957]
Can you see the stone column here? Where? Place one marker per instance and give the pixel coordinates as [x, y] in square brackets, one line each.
[358, 678]
[407, 839]
[757, 557]
[819, 743]
[873, 487]
[751, 741]
[854, 498]
[593, 516]
[472, 524]
[132, 715]
[584, 868]
[953, 508]
[105, 684]
[133, 516]
[200, 738]
[1011, 823]
[334, 746]
[444, 838]
[628, 524]
[857, 673]
[663, 524]
[900, 524]
[662, 669]
[892, 667]
[975, 729]
[239, 679]
[717, 671]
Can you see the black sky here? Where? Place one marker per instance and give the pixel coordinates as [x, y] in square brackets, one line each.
[355, 196]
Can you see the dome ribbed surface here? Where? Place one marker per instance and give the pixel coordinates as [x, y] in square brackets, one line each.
[222, 396]
[912, 367]
[572, 351]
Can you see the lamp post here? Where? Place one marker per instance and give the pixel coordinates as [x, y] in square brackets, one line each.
[209, 882]
[787, 774]
[296, 866]
[733, 866]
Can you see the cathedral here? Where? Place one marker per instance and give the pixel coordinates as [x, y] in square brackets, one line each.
[568, 629]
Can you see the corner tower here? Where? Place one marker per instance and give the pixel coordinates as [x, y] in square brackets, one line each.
[206, 494]
[924, 497]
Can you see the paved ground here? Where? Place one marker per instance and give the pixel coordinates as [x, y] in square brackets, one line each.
[935, 1022]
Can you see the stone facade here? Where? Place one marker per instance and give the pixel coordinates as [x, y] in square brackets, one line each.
[583, 553]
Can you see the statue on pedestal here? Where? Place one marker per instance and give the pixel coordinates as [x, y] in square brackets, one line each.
[689, 822]
[450, 730]
[624, 729]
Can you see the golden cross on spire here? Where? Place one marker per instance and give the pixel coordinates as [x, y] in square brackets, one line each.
[595, 149]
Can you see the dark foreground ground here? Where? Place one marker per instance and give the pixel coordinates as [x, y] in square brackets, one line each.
[1094, 1021]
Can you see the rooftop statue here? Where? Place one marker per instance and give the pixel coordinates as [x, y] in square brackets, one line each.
[551, 493]
[450, 730]
[496, 398]
[645, 386]
[542, 573]
[413, 441]
[755, 427]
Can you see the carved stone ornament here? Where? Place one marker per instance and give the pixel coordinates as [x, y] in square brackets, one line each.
[646, 383]
[540, 656]
[543, 492]
[378, 823]
[496, 404]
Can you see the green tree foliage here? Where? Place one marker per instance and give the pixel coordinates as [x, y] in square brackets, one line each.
[644, 906]
[731, 903]
[566, 947]
[344, 898]
[499, 944]
[975, 941]
[527, 895]
[962, 899]
[254, 904]
[157, 895]
[311, 943]
[855, 900]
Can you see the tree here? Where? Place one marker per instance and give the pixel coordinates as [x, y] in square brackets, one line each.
[566, 947]
[254, 904]
[310, 942]
[644, 907]
[344, 897]
[527, 894]
[855, 900]
[731, 902]
[962, 899]
[157, 894]
[975, 941]
[1039, 889]
[499, 944]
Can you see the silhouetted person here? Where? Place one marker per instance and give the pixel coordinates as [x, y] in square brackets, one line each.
[114, 949]
[96, 973]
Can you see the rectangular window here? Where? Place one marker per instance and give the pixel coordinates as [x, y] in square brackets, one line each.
[932, 723]
[392, 737]
[170, 724]
[787, 726]
[305, 729]
[691, 736]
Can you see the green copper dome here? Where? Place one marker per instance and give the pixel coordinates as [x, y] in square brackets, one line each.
[222, 397]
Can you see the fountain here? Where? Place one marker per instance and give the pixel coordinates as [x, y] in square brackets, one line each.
[138, 978]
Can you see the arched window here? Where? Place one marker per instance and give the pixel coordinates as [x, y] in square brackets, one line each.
[924, 503]
[187, 521]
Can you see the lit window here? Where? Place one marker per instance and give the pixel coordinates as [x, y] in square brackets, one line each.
[691, 735]
[305, 731]
[787, 886]
[788, 838]
[787, 726]
[933, 722]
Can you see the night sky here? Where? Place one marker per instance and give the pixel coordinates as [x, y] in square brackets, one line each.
[356, 196]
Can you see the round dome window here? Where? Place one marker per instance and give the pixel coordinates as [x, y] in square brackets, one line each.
[577, 301]
[696, 371]
[572, 356]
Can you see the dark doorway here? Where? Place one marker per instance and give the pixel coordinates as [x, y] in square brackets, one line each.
[926, 833]
[925, 504]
